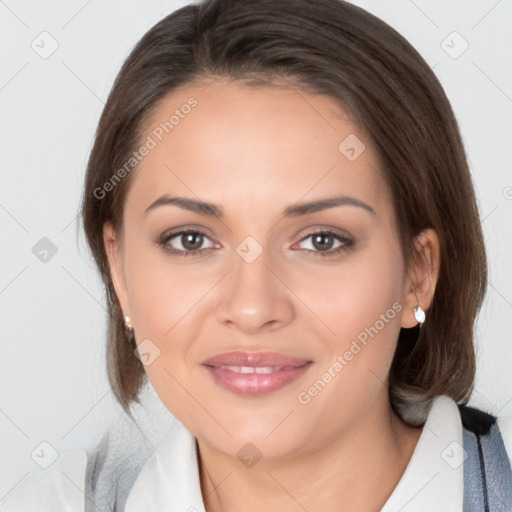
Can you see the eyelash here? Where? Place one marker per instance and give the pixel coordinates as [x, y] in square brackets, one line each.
[347, 243]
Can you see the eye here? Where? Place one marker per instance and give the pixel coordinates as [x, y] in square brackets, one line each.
[190, 242]
[185, 243]
[323, 243]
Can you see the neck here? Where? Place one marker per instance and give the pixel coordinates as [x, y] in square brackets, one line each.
[357, 470]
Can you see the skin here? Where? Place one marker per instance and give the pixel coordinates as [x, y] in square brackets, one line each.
[254, 151]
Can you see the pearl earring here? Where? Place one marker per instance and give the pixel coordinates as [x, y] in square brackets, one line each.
[128, 323]
[419, 314]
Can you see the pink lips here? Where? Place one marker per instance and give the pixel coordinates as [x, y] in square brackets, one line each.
[254, 373]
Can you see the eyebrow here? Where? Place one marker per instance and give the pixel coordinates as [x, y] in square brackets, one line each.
[295, 210]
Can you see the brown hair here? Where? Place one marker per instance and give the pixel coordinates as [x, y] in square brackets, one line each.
[333, 48]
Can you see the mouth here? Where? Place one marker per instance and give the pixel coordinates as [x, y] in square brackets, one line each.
[254, 373]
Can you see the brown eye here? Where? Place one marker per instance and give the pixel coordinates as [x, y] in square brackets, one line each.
[323, 241]
[192, 241]
[185, 243]
[327, 243]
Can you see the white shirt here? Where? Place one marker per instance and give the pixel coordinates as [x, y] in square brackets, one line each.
[169, 481]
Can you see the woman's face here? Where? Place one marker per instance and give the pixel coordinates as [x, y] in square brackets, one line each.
[318, 293]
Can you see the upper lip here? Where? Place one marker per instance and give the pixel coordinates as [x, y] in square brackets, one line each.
[254, 359]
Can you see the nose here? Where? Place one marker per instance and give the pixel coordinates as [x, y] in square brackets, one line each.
[254, 297]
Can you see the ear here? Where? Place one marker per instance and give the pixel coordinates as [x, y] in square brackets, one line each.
[115, 261]
[423, 274]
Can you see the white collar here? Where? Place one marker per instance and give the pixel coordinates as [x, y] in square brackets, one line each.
[170, 479]
[433, 479]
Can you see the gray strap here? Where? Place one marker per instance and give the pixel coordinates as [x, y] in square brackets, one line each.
[113, 466]
[487, 472]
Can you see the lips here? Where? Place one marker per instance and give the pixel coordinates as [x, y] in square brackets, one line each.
[254, 373]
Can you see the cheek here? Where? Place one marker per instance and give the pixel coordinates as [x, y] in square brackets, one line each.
[356, 359]
[354, 295]
[163, 292]
[359, 305]
[168, 309]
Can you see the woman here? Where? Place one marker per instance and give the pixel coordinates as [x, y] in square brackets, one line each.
[279, 204]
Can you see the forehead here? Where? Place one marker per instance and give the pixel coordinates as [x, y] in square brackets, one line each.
[230, 143]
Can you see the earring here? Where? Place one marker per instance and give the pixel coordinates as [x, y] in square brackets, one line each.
[419, 314]
[128, 323]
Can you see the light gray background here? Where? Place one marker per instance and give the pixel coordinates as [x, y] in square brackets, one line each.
[53, 385]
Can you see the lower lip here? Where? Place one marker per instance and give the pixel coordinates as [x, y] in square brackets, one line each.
[255, 384]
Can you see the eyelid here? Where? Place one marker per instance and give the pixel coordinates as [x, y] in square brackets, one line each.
[182, 230]
[343, 237]
[341, 233]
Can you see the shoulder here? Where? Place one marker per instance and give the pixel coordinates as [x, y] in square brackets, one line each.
[487, 426]
[505, 425]
[105, 474]
[114, 465]
[60, 487]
